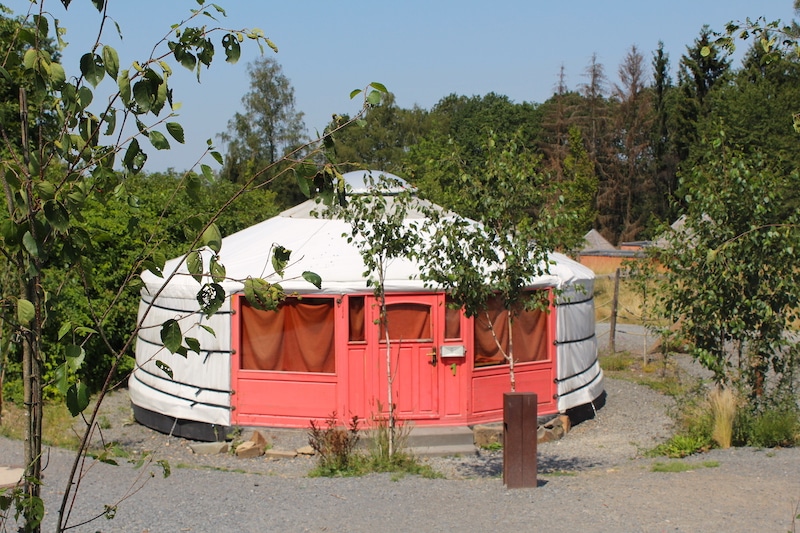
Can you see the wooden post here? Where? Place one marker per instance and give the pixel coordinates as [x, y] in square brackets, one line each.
[520, 433]
[612, 330]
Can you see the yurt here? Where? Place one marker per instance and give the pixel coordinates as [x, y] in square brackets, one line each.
[323, 352]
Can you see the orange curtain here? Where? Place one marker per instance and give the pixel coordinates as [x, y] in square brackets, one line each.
[356, 319]
[530, 335]
[297, 337]
[408, 321]
[452, 321]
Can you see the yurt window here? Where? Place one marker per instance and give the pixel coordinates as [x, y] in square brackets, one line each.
[408, 322]
[298, 337]
[529, 335]
[355, 313]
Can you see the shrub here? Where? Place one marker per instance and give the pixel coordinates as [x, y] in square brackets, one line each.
[335, 447]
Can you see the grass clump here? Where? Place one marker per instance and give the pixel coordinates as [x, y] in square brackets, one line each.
[616, 362]
[724, 405]
[493, 446]
[680, 466]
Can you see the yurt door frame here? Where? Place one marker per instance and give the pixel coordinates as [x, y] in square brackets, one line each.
[415, 333]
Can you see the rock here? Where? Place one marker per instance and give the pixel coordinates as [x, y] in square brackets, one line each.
[272, 453]
[566, 423]
[209, 448]
[258, 438]
[250, 449]
[485, 435]
[305, 450]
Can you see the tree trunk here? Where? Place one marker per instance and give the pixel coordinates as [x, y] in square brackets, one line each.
[511, 374]
[32, 394]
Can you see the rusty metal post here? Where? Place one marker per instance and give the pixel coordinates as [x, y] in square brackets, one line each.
[520, 432]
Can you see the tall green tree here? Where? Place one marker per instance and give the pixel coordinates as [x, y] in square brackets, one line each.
[665, 158]
[469, 120]
[386, 134]
[702, 68]
[729, 281]
[267, 129]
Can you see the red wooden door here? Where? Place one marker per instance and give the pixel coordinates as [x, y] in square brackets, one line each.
[414, 334]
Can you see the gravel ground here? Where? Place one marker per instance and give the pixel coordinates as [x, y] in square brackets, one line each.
[594, 479]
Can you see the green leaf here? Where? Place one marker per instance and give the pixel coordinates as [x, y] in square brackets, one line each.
[171, 335]
[313, 279]
[158, 140]
[193, 344]
[83, 330]
[145, 94]
[4, 73]
[46, 190]
[208, 173]
[209, 330]
[111, 61]
[212, 238]
[134, 158]
[355, 92]
[124, 84]
[176, 131]
[233, 49]
[164, 367]
[30, 244]
[99, 4]
[304, 184]
[210, 297]
[378, 87]
[57, 215]
[217, 270]
[77, 398]
[25, 311]
[193, 187]
[374, 98]
[194, 264]
[65, 328]
[280, 258]
[75, 356]
[57, 75]
[705, 51]
[92, 68]
[61, 378]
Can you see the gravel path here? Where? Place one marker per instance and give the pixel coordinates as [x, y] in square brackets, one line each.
[595, 479]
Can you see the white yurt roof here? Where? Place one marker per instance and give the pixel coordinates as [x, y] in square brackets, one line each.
[319, 245]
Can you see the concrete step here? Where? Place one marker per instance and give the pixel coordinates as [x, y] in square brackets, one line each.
[435, 441]
[440, 436]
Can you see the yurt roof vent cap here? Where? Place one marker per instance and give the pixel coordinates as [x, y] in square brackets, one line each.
[356, 182]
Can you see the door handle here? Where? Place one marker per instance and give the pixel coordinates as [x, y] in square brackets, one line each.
[432, 355]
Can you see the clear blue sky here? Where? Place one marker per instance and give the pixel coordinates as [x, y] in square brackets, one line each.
[421, 50]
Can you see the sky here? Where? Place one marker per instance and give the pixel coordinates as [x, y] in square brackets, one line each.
[421, 50]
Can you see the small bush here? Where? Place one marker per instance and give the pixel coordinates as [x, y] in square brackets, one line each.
[683, 445]
[768, 428]
[335, 447]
